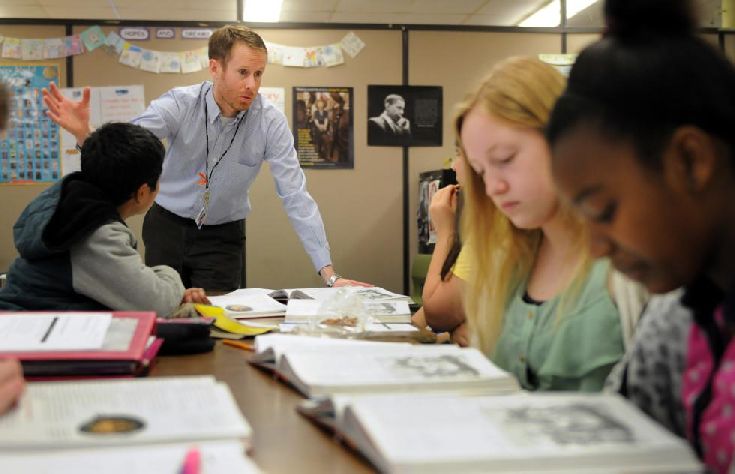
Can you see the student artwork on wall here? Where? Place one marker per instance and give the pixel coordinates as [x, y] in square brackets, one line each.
[322, 126]
[404, 116]
[29, 151]
[106, 104]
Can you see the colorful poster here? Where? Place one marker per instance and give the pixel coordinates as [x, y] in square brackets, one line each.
[323, 126]
[29, 151]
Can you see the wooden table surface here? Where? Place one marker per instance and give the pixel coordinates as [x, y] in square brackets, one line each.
[283, 441]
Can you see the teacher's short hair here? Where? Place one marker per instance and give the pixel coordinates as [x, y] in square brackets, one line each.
[224, 38]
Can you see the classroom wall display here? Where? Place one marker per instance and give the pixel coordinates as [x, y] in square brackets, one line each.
[29, 151]
[159, 62]
[276, 96]
[404, 115]
[323, 126]
[106, 104]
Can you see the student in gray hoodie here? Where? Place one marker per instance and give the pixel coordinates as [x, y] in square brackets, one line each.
[75, 250]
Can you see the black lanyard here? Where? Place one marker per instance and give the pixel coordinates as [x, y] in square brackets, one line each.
[208, 173]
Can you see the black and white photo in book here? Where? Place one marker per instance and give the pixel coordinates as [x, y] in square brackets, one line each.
[322, 127]
[404, 115]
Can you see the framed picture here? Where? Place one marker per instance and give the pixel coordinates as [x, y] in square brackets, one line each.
[323, 127]
[404, 115]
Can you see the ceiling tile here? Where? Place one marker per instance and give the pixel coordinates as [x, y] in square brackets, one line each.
[397, 18]
[310, 5]
[375, 6]
[19, 11]
[95, 13]
[306, 16]
[178, 14]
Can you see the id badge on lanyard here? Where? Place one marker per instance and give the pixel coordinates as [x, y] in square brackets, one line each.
[202, 215]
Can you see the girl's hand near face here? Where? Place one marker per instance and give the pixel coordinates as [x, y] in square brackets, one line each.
[442, 211]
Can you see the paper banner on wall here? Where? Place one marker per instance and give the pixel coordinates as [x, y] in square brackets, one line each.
[294, 57]
[106, 104]
[190, 62]
[167, 61]
[31, 49]
[332, 55]
[53, 48]
[114, 42]
[93, 38]
[203, 54]
[150, 61]
[170, 62]
[131, 55]
[352, 44]
[73, 45]
[11, 48]
[276, 96]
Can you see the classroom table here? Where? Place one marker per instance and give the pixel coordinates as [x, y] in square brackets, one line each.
[283, 441]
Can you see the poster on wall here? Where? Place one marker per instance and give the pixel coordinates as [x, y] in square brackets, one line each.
[106, 104]
[323, 126]
[276, 96]
[404, 116]
[29, 151]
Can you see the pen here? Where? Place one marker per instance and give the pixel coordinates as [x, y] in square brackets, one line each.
[50, 328]
[239, 344]
[192, 461]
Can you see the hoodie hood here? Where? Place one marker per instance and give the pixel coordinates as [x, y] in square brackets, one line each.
[62, 215]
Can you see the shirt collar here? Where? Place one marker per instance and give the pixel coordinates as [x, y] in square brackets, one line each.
[213, 110]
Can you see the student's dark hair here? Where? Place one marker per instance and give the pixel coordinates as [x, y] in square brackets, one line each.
[456, 243]
[119, 157]
[648, 75]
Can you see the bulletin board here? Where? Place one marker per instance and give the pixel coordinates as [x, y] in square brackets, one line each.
[30, 148]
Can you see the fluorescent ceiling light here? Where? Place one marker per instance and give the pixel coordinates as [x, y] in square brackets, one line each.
[262, 10]
[550, 14]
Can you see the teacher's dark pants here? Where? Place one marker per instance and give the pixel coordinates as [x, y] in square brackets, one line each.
[209, 258]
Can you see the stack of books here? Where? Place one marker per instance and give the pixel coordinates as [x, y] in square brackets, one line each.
[125, 427]
[83, 344]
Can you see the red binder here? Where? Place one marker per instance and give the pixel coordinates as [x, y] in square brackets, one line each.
[129, 361]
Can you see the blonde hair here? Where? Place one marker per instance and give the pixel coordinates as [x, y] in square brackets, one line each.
[520, 91]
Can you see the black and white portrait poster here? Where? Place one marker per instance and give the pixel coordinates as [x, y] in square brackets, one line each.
[404, 116]
[322, 126]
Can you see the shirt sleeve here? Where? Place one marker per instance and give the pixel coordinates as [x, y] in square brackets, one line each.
[107, 268]
[290, 181]
[163, 116]
[462, 268]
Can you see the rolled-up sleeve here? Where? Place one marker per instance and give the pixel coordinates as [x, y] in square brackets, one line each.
[290, 181]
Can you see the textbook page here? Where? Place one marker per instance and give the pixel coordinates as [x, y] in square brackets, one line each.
[248, 303]
[526, 433]
[53, 331]
[223, 457]
[270, 347]
[373, 293]
[122, 412]
[399, 368]
[380, 311]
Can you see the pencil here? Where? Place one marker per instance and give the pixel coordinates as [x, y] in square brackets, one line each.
[239, 344]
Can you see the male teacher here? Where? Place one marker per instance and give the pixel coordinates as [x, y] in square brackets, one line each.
[219, 135]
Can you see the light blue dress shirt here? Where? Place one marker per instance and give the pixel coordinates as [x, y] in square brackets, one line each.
[178, 116]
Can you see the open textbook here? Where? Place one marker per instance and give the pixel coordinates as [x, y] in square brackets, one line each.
[527, 433]
[317, 368]
[262, 302]
[69, 422]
